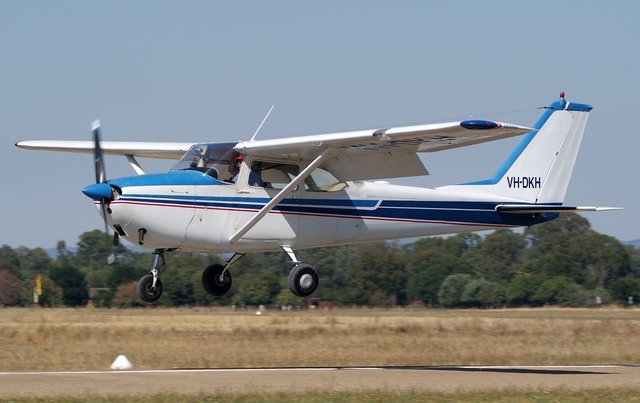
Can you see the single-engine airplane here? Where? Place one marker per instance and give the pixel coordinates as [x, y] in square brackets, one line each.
[313, 191]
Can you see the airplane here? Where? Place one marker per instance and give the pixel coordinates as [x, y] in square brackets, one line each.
[323, 190]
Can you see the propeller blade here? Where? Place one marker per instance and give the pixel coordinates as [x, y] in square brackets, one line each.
[103, 209]
[101, 177]
[98, 160]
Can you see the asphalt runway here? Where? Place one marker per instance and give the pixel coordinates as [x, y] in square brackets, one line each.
[238, 380]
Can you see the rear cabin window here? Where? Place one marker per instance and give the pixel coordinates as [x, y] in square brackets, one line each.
[272, 175]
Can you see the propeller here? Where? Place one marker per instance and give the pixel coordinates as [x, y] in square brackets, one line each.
[103, 190]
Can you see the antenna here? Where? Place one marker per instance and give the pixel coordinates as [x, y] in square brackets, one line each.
[263, 120]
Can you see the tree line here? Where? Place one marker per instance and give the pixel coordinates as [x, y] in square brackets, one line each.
[563, 262]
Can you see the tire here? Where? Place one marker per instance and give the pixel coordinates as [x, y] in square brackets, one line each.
[145, 290]
[303, 280]
[211, 280]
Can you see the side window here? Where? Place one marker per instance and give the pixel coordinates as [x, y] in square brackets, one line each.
[272, 175]
[322, 180]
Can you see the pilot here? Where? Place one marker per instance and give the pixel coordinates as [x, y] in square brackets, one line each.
[234, 168]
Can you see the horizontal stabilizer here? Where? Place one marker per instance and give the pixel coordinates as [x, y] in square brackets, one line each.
[548, 208]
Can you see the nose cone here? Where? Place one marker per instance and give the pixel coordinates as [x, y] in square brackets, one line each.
[98, 191]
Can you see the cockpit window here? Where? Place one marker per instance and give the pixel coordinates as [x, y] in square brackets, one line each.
[214, 159]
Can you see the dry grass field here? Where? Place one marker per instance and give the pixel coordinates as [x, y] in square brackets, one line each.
[76, 339]
[503, 396]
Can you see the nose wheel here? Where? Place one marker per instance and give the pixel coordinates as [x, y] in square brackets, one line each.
[149, 287]
[147, 290]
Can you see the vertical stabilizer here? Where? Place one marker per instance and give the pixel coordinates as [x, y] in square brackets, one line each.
[539, 169]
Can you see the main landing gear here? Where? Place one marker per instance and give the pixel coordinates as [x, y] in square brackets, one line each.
[216, 279]
[303, 279]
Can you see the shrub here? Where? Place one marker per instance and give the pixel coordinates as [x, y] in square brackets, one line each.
[481, 292]
[522, 288]
[450, 293]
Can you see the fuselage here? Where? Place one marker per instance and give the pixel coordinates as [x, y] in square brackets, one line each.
[190, 211]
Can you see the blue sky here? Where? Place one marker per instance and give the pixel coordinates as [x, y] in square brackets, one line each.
[208, 71]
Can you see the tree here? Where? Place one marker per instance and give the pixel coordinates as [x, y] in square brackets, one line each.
[545, 236]
[33, 261]
[332, 264]
[601, 259]
[9, 259]
[51, 293]
[625, 287]
[378, 270]
[253, 289]
[498, 255]
[483, 293]
[431, 260]
[63, 256]
[178, 287]
[552, 290]
[10, 288]
[93, 249]
[103, 299]
[634, 260]
[450, 293]
[123, 273]
[522, 288]
[574, 295]
[286, 297]
[73, 284]
[126, 296]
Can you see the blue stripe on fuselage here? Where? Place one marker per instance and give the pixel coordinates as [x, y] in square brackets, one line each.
[477, 213]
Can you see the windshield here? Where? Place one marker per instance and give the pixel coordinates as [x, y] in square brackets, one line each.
[214, 159]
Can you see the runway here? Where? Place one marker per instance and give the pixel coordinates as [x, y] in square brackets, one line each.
[80, 384]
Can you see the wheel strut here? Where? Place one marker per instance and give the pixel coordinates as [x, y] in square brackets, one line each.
[236, 256]
[158, 255]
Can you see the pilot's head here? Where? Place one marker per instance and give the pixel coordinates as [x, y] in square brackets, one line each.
[234, 164]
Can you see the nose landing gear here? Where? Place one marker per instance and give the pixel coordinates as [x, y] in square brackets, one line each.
[149, 287]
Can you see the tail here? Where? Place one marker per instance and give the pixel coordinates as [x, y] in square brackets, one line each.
[539, 169]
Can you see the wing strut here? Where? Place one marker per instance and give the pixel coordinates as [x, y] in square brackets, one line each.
[134, 164]
[281, 195]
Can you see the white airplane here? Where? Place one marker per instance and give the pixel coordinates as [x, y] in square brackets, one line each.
[313, 191]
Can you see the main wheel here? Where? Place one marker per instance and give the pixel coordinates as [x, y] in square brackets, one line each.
[146, 291]
[303, 280]
[212, 282]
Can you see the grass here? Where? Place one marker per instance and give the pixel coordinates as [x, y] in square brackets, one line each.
[88, 339]
[537, 396]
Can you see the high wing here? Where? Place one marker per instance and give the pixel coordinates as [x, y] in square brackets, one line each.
[381, 153]
[125, 148]
[358, 155]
